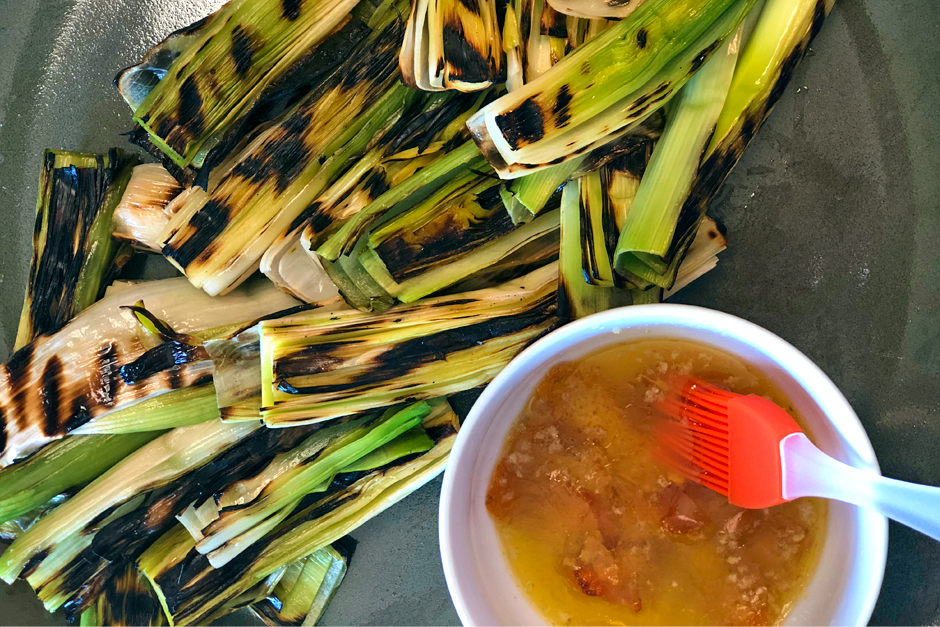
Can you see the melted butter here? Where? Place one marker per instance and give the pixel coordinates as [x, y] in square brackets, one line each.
[597, 532]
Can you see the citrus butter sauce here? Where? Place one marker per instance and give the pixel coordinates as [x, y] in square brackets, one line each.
[598, 532]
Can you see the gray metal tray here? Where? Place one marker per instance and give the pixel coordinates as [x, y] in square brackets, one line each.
[833, 218]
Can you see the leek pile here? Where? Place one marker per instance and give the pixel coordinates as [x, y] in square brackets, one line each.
[194, 592]
[173, 451]
[587, 99]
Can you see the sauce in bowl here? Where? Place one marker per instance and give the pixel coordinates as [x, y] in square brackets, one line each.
[597, 531]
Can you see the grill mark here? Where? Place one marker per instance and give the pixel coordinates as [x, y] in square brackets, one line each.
[49, 393]
[561, 110]
[291, 9]
[641, 38]
[190, 110]
[282, 158]
[523, 125]
[203, 229]
[33, 564]
[243, 49]
[165, 357]
[588, 260]
[79, 414]
[411, 354]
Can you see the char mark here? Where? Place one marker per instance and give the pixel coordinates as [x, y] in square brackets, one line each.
[244, 45]
[291, 9]
[562, 109]
[204, 228]
[282, 158]
[642, 37]
[190, 110]
[523, 125]
[50, 392]
[465, 61]
[34, 562]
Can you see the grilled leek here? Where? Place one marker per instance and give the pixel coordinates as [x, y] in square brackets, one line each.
[73, 251]
[304, 590]
[57, 383]
[586, 100]
[326, 453]
[217, 238]
[128, 601]
[317, 367]
[452, 44]
[650, 226]
[244, 46]
[62, 466]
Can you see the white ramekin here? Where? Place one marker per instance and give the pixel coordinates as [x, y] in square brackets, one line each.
[848, 578]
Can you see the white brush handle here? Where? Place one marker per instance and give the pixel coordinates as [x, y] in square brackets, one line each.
[807, 471]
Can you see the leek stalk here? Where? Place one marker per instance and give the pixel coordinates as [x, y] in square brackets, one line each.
[318, 367]
[650, 226]
[62, 466]
[58, 383]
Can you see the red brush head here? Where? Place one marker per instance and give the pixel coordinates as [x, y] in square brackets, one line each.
[725, 441]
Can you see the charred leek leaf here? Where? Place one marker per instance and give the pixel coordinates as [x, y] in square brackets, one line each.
[146, 207]
[218, 238]
[587, 100]
[650, 226]
[222, 67]
[127, 600]
[304, 590]
[62, 466]
[193, 592]
[73, 253]
[577, 296]
[58, 383]
[317, 367]
[452, 44]
[343, 238]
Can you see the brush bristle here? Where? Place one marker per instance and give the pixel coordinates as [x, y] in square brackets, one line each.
[694, 438]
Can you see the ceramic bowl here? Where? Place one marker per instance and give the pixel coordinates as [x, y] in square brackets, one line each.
[848, 576]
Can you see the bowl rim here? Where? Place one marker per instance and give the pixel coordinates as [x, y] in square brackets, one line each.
[800, 367]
